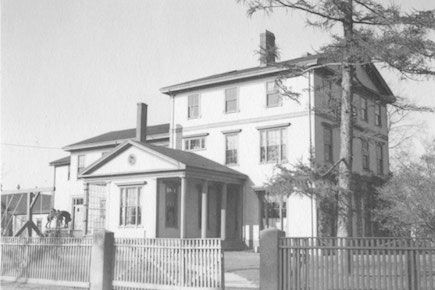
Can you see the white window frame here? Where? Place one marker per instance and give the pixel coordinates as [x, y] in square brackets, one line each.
[227, 98]
[275, 91]
[364, 109]
[378, 115]
[365, 155]
[236, 136]
[191, 106]
[80, 168]
[282, 155]
[176, 187]
[380, 158]
[188, 142]
[330, 148]
[124, 221]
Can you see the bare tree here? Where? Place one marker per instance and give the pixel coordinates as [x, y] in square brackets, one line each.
[371, 32]
[408, 198]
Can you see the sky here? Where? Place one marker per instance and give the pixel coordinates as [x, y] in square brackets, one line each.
[71, 70]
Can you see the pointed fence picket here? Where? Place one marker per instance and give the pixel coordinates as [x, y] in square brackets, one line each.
[51, 261]
[356, 263]
[168, 264]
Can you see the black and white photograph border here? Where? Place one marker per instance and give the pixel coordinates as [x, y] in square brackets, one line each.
[209, 144]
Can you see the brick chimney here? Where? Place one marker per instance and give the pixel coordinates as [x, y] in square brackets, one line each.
[267, 48]
[141, 127]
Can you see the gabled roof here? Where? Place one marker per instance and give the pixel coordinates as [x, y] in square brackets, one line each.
[271, 70]
[189, 159]
[18, 203]
[117, 137]
[61, 162]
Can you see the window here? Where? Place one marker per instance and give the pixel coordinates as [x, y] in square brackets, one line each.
[378, 111]
[130, 211]
[192, 144]
[193, 106]
[231, 100]
[380, 158]
[364, 109]
[272, 209]
[328, 144]
[231, 144]
[273, 96]
[171, 205]
[327, 93]
[80, 163]
[273, 145]
[365, 154]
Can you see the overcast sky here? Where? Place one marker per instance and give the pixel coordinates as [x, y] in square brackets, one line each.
[75, 69]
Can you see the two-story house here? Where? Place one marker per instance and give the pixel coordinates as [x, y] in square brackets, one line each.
[203, 175]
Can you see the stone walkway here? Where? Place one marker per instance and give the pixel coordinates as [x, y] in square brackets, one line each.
[242, 270]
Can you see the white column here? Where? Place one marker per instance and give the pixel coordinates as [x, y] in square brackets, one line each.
[224, 212]
[204, 212]
[183, 208]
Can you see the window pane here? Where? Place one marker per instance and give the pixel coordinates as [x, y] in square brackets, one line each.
[171, 215]
[131, 197]
[130, 210]
[231, 106]
[273, 100]
[193, 106]
[122, 216]
[327, 140]
[231, 149]
[271, 87]
[283, 144]
[273, 143]
[231, 100]
[195, 144]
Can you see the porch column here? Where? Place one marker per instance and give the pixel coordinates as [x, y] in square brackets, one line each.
[86, 194]
[224, 212]
[183, 208]
[204, 212]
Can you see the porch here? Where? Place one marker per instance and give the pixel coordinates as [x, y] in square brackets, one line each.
[190, 197]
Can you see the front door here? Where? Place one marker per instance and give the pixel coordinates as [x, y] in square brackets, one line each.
[233, 210]
[168, 204]
[78, 214]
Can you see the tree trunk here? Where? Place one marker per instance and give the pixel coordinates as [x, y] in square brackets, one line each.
[344, 221]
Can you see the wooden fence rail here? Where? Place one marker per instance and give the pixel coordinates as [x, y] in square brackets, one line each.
[168, 264]
[55, 261]
[356, 263]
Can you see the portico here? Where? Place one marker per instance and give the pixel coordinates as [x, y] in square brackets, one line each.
[160, 192]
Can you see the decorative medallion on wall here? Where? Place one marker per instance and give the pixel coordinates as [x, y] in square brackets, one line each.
[131, 159]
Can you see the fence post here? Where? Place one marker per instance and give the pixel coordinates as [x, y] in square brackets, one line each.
[269, 257]
[102, 260]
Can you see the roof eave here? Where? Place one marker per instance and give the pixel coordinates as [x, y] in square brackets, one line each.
[111, 143]
[59, 164]
[261, 72]
[389, 96]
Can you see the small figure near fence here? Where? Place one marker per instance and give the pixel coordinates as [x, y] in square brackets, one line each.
[60, 217]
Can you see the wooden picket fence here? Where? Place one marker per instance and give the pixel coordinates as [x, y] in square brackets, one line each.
[356, 263]
[48, 261]
[168, 264]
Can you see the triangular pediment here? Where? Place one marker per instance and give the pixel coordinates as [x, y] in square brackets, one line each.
[131, 157]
